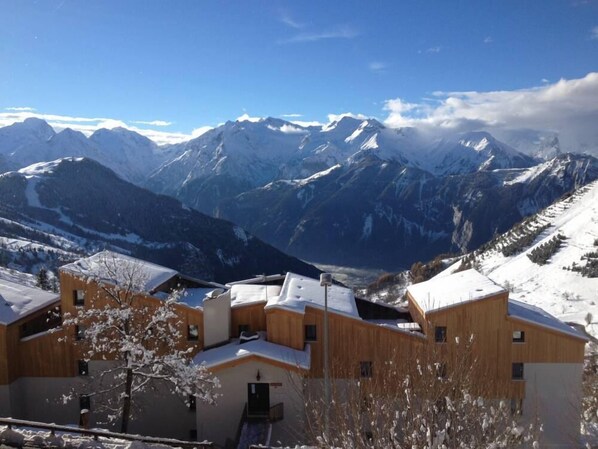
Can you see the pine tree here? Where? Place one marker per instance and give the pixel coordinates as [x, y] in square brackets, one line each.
[43, 280]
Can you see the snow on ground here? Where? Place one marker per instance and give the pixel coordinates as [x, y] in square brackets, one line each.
[563, 293]
[32, 437]
[17, 277]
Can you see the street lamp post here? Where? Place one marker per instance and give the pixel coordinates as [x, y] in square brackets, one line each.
[326, 281]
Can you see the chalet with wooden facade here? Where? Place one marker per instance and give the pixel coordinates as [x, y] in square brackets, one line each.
[262, 338]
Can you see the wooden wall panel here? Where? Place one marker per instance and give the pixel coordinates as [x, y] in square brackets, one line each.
[47, 355]
[492, 348]
[353, 341]
[252, 315]
[285, 328]
[95, 297]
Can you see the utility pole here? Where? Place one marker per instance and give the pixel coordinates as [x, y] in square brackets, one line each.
[326, 281]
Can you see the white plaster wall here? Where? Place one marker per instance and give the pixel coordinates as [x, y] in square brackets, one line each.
[220, 422]
[553, 395]
[41, 399]
[5, 410]
[216, 320]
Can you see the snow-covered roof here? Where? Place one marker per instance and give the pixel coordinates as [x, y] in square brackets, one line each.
[244, 294]
[453, 290]
[537, 316]
[105, 264]
[17, 301]
[258, 279]
[300, 291]
[258, 348]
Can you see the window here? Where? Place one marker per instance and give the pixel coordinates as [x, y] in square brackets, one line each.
[365, 369]
[517, 371]
[310, 332]
[78, 297]
[516, 406]
[191, 402]
[84, 402]
[193, 332]
[83, 367]
[440, 334]
[518, 336]
[79, 332]
[243, 328]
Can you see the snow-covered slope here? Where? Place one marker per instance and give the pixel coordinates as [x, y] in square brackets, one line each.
[54, 212]
[555, 286]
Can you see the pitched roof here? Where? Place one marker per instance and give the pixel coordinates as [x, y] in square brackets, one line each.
[107, 266]
[263, 349]
[449, 291]
[538, 316]
[17, 301]
[300, 291]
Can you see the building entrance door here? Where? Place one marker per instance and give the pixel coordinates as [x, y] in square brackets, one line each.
[258, 400]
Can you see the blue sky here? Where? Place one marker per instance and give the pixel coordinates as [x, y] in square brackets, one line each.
[191, 64]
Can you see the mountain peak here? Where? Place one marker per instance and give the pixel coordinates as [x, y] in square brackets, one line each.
[32, 126]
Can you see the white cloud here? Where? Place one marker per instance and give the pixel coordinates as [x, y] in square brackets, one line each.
[337, 117]
[488, 40]
[153, 123]
[20, 109]
[292, 115]
[340, 32]
[290, 129]
[377, 66]
[569, 107]
[247, 118]
[594, 33]
[201, 130]
[286, 18]
[434, 49]
[306, 123]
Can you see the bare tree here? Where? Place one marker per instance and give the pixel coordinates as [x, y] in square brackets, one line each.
[422, 403]
[141, 336]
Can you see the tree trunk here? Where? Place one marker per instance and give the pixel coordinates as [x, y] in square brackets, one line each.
[127, 401]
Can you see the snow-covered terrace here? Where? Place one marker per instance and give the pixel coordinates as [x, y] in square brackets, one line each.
[17, 301]
[442, 292]
[260, 348]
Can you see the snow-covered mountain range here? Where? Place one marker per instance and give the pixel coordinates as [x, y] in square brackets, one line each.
[130, 155]
[353, 192]
[54, 212]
